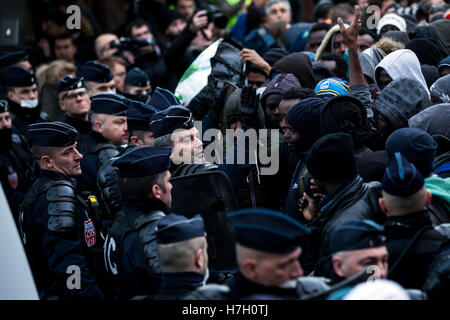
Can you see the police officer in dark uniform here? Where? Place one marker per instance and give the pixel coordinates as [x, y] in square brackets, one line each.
[99, 78]
[182, 255]
[109, 132]
[23, 100]
[138, 122]
[174, 127]
[17, 168]
[130, 248]
[137, 85]
[75, 103]
[411, 240]
[59, 234]
[267, 250]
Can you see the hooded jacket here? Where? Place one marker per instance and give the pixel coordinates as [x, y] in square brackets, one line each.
[369, 59]
[280, 84]
[441, 27]
[326, 45]
[401, 64]
[299, 64]
[401, 99]
[435, 120]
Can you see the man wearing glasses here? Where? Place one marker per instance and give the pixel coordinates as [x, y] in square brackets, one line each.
[75, 102]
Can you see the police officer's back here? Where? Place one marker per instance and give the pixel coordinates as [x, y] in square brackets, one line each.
[411, 240]
[60, 236]
[130, 249]
[182, 255]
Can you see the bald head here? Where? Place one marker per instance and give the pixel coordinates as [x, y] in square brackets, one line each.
[102, 48]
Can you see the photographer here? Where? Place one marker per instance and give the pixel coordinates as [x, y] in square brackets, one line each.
[181, 52]
[146, 54]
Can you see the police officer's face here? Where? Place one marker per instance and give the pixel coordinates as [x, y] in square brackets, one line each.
[23, 93]
[135, 90]
[5, 120]
[76, 103]
[187, 146]
[276, 269]
[349, 263]
[279, 11]
[115, 129]
[96, 88]
[64, 160]
[120, 72]
[165, 193]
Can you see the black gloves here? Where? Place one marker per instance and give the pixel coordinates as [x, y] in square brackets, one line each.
[249, 108]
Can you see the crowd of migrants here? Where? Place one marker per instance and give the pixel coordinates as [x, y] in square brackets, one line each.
[359, 208]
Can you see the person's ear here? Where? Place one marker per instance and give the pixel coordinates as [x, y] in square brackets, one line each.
[136, 141]
[383, 206]
[47, 162]
[429, 197]
[249, 266]
[98, 125]
[337, 266]
[155, 192]
[198, 259]
[61, 105]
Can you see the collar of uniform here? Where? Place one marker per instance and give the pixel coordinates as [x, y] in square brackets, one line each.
[242, 288]
[79, 124]
[52, 175]
[412, 221]
[98, 137]
[180, 282]
[147, 205]
[30, 115]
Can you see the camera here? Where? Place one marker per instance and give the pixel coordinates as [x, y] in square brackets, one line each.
[217, 17]
[132, 45]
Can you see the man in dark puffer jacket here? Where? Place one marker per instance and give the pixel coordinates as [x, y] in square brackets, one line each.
[331, 162]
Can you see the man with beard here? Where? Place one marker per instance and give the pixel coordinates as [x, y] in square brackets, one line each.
[16, 164]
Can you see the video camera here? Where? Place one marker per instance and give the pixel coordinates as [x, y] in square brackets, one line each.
[132, 45]
[217, 17]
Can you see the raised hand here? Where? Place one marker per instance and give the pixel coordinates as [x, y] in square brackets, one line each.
[350, 34]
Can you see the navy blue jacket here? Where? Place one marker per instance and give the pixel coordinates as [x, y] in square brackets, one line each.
[52, 246]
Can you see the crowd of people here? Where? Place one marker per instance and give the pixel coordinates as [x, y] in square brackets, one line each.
[104, 166]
